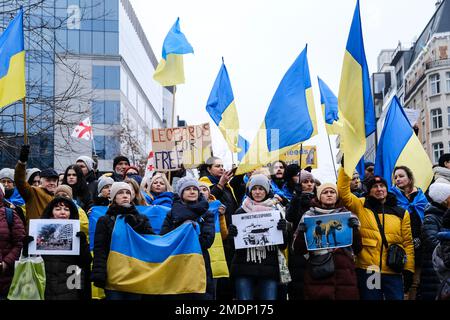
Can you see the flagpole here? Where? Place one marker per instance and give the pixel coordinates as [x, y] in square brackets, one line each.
[332, 156]
[25, 135]
[300, 161]
[173, 107]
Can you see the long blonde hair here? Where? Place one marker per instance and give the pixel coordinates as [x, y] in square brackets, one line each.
[138, 198]
[147, 183]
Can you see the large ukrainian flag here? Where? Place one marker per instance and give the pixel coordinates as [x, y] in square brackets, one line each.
[355, 98]
[399, 146]
[222, 109]
[12, 62]
[290, 119]
[219, 265]
[151, 264]
[330, 110]
[170, 70]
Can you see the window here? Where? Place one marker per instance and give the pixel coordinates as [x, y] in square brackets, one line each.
[98, 42]
[107, 147]
[399, 77]
[73, 41]
[438, 151]
[85, 42]
[106, 112]
[447, 81]
[436, 119]
[106, 77]
[111, 43]
[435, 84]
[424, 132]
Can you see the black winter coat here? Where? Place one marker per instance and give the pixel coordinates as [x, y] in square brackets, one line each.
[199, 213]
[57, 274]
[432, 224]
[300, 203]
[268, 268]
[103, 233]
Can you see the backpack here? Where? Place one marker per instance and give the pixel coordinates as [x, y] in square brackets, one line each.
[9, 217]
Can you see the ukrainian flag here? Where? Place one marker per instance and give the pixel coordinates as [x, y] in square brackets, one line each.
[222, 109]
[290, 119]
[356, 108]
[12, 62]
[219, 265]
[399, 146]
[151, 264]
[170, 70]
[244, 145]
[329, 104]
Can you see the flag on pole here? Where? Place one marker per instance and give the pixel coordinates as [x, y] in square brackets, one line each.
[399, 146]
[329, 104]
[83, 130]
[244, 145]
[290, 118]
[12, 62]
[222, 109]
[170, 70]
[356, 108]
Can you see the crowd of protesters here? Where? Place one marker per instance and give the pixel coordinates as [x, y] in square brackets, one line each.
[416, 222]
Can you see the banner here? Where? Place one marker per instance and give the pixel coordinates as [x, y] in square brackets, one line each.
[309, 156]
[189, 146]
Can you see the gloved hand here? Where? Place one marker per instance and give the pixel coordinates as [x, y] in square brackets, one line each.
[24, 153]
[232, 230]
[282, 225]
[407, 280]
[82, 236]
[301, 227]
[26, 241]
[131, 219]
[305, 199]
[353, 222]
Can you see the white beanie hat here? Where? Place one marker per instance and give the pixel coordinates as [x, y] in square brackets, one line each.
[117, 186]
[88, 161]
[7, 173]
[439, 192]
[31, 171]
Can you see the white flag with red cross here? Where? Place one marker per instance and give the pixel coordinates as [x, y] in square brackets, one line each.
[150, 168]
[83, 130]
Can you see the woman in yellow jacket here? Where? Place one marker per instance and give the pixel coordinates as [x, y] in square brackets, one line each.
[395, 221]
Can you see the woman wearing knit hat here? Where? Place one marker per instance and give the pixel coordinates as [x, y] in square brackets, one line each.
[255, 270]
[342, 284]
[301, 202]
[190, 206]
[432, 225]
[103, 191]
[120, 205]
[158, 191]
[411, 198]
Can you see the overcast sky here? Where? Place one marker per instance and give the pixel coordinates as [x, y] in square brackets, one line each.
[260, 39]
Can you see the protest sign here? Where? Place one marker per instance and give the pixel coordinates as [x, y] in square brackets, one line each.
[257, 229]
[173, 147]
[309, 156]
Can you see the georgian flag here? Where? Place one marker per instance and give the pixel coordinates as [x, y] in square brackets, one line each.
[83, 130]
[150, 168]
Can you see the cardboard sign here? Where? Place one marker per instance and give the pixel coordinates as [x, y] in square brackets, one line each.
[309, 156]
[189, 146]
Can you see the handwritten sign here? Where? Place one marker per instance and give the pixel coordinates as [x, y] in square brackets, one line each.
[309, 156]
[173, 147]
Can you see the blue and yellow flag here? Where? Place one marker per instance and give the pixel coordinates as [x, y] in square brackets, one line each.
[222, 109]
[12, 62]
[244, 145]
[219, 265]
[330, 110]
[399, 146]
[356, 109]
[170, 70]
[290, 119]
[152, 264]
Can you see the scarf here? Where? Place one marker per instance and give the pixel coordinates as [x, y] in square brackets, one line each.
[417, 205]
[214, 180]
[441, 172]
[258, 254]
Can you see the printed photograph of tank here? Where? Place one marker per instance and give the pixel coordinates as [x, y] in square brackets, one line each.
[257, 229]
[54, 237]
[328, 231]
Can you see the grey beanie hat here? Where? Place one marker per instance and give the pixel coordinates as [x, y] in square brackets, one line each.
[88, 161]
[103, 182]
[259, 180]
[117, 186]
[7, 173]
[32, 171]
[185, 182]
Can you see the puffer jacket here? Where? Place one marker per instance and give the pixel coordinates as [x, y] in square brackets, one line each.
[395, 220]
[10, 246]
[432, 225]
[199, 213]
[343, 284]
[103, 233]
